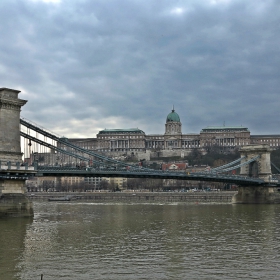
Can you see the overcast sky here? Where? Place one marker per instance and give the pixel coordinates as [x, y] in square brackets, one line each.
[87, 65]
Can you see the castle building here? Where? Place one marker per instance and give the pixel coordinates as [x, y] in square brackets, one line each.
[223, 136]
[120, 141]
[109, 140]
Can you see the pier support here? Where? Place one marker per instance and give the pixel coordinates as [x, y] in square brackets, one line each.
[15, 205]
[261, 168]
[256, 195]
[13, 199]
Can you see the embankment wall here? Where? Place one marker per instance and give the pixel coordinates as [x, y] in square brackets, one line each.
[140, 197]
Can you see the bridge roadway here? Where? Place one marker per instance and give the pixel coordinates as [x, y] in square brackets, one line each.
[26, 172]
[156, 174]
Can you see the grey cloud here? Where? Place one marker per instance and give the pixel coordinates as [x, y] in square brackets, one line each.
[132, 60]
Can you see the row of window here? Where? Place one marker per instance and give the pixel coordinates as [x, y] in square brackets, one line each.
[270, 140]
[121, 150]
[224, 130]
[120, 137]
[152, 143]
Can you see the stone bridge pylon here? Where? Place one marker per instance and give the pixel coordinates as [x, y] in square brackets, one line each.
[261, 168]
[13, 200]
[10, 106]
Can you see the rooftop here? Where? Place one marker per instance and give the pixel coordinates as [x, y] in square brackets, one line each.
[173, 117]
[225, 128]
[121, 131]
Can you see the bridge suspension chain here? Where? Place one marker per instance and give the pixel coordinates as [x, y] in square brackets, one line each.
[103, 158]
[242, 164]
[50, 146]
[226, 165]
[275, 167]
[77, 148]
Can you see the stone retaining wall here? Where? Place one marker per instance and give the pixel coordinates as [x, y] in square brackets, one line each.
[141, 197]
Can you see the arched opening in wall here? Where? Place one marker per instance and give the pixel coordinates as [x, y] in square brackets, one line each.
[253, 169]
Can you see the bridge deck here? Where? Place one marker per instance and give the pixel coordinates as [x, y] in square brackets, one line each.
[138, 173]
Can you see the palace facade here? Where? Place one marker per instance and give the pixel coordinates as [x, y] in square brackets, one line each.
[136, 140]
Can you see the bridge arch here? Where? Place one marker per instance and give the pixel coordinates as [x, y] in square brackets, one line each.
[253, 169]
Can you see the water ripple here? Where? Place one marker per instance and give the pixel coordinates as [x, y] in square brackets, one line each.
[119, 241]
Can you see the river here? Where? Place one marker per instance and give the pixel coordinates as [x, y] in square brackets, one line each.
[82, 240]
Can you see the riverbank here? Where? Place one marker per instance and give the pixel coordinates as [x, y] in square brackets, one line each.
[140, 197]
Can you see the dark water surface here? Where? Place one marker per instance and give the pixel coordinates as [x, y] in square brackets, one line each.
[142, 241]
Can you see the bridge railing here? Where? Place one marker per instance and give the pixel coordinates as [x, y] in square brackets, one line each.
[91, 170]
[18, 166]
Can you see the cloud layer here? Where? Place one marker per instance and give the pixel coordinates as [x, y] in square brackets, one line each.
[93, 64]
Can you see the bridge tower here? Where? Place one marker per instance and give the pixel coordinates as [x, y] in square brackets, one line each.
[261, 168]
[10, 106]
[13, 200]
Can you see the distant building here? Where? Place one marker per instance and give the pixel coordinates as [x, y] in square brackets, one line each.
[93, 182]
[225, 136]
[119, 141]
[178, 166]
[117, 181]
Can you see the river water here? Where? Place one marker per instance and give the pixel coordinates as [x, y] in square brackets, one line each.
[142, 241]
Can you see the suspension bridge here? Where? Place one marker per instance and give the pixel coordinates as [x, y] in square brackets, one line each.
[88, 163]
[67, 159]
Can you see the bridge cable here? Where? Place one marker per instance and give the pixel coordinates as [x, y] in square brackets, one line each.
[226, 165]
[242, 164]
[63, 140]
[275, 167]
[34, 139]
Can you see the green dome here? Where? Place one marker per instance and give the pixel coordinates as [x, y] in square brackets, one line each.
[173, 117]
